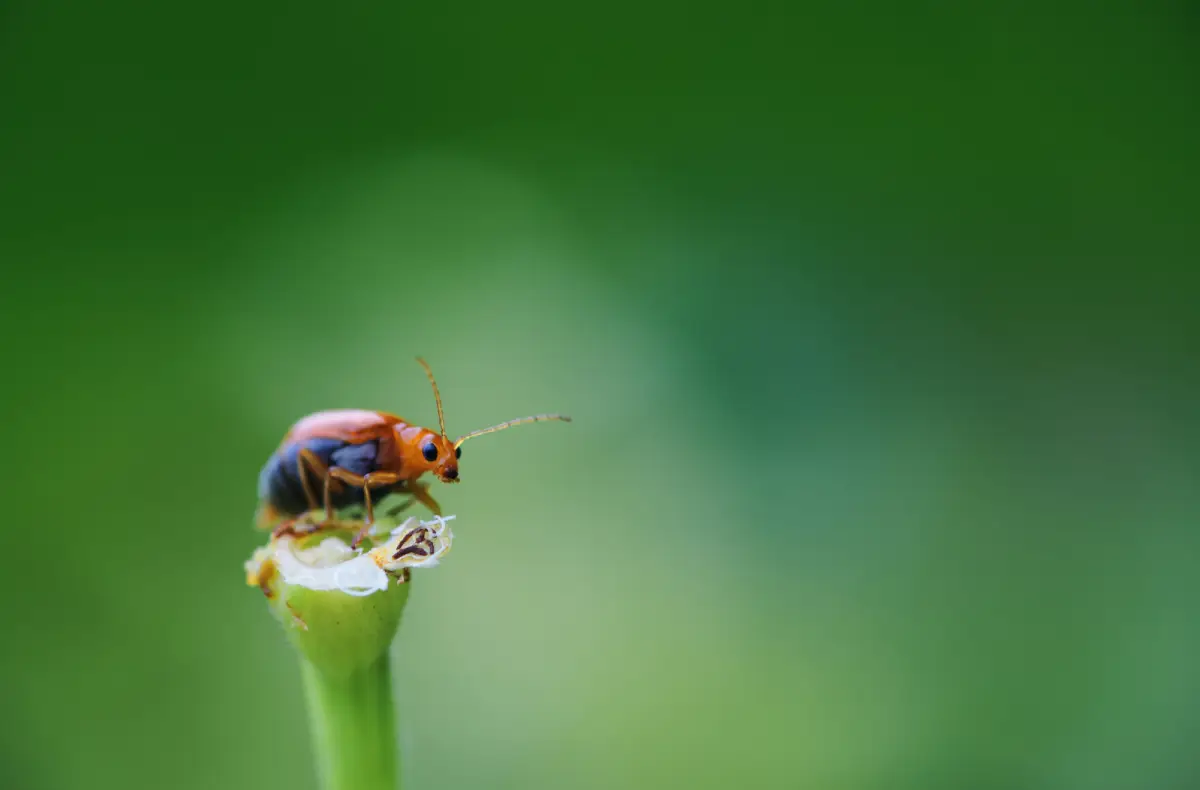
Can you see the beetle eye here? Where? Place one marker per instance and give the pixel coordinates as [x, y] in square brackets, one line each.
[429, 451]
[458, 452]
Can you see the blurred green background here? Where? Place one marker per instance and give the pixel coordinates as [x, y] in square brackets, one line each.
[877, 322]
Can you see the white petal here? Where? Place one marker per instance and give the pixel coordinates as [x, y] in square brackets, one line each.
[356, 576]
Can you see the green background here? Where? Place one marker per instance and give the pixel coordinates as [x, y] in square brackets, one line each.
[876, 321]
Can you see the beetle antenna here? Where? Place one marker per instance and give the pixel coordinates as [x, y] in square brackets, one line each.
[436, 396]
[509, 424]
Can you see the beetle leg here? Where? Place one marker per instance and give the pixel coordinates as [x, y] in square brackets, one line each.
[296, 528]
[285, 528]
[400, 508]
[366, 482]
[328, 497]
[307, 460]
[420, 493]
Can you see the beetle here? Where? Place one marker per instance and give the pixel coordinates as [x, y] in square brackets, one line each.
[358, 457]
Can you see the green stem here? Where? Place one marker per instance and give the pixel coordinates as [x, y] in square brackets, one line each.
[342, 616]
[353, 726]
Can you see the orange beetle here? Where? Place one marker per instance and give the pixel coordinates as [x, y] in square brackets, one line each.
[355, 456]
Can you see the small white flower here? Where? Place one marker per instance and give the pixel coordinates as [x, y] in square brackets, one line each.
[419, 546]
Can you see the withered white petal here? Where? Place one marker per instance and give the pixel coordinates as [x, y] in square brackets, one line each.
[330, 565]
[333, 565]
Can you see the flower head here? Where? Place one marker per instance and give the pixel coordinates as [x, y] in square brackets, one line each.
[341, 606]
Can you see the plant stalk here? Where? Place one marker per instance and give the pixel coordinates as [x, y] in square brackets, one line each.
[353, 726]
[341, 610]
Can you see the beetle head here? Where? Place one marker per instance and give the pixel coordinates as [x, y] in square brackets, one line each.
[441, 457]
